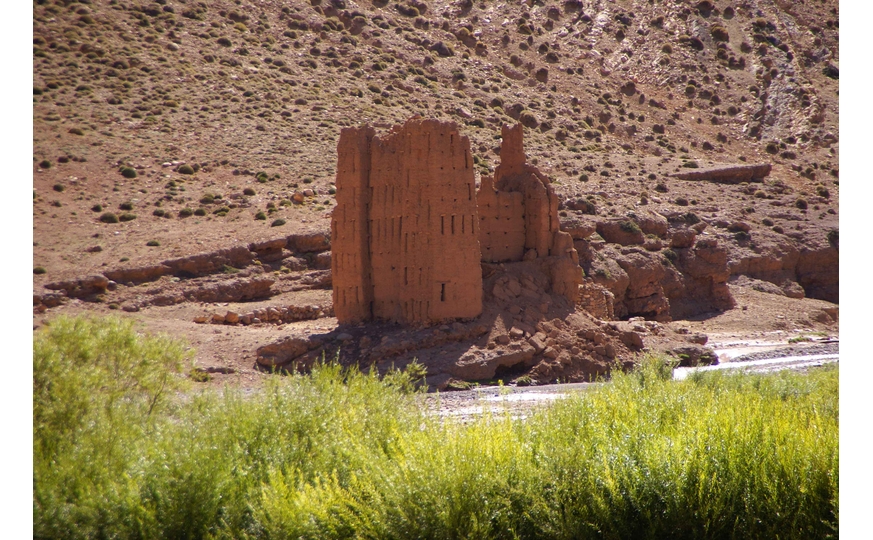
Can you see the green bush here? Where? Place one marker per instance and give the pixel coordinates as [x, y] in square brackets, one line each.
[342, 454]
[261, 216]
[186, 212]
[97, 208]
[248, 191]
[200, 212]
[127, 217]
[108, 217]
[277, 222]
[186, 169]
[128, 172]
[39, 270]
[45, 164]
[153, 243]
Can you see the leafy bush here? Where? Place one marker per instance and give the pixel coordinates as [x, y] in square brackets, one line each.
[127, 217]
[277, 222]
[128, 172]
[339, 453]
[108, 217]
[186, 169]
[39, 270]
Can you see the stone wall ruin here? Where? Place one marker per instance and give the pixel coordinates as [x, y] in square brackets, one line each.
[410, 229]
[406, 225]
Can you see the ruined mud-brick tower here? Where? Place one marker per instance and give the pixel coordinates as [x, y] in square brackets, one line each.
[406, 228]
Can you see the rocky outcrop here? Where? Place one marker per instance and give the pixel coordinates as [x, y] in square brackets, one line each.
[733, 174]
[82, 287]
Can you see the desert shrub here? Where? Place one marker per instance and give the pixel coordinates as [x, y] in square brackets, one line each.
[58, 187]
[128, 172]
[801, 204]
[767, 222]
[127, 217]
[823, 192]
[681, 201]
[834, 237]
[185, 169]
[76, 131]
[45, 164]
[109, 217]
[97, 208]
[159, 212]
[277, 222]
[153, 243]
[38, 270]
[186, 212]
[249, 192]
[629, 226]
[207, 199]
[261, 216]
[200, 212]
[126, 206]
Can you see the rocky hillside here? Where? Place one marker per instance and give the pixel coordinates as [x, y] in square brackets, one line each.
[167, 128]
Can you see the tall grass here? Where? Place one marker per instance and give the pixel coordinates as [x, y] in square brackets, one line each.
[341, 454]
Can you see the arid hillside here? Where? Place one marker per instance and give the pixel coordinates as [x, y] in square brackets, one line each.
[167, 129]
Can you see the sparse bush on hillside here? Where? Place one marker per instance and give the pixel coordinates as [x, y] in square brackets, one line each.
[128, 172]
[109, 217]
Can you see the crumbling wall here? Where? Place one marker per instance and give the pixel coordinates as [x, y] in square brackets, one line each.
[423, 227]
[350, 227]
[501, 223]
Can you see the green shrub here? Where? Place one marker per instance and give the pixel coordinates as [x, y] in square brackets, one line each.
[97, 208]
[153, 243]
[801, 204]
[629, 226]
[248, 191]
[159, 212]
[186, 212]
[58, 187]
[108, 217]
[128, 172]
[341, 454]
[126, 206]
[261, 216]
[185, 169]
[277, 222]
[45, 164]
[127, 217]
[39, 270]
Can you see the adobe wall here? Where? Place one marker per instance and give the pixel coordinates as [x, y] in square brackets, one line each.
[501, 223]
[422, 245]
[350, 227]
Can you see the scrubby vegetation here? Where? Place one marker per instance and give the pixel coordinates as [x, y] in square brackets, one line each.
[338, 453]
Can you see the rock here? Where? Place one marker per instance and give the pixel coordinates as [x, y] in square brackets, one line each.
[288, 349]
[139, 274]
[217, 318]
[623, 231]
[81, 288]
[483, 364]
[210, 262]
[201, 319]
[315, 242]
[231, 317]
[694, 355]
[240, 290]
[733, 174]
[682, 238]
